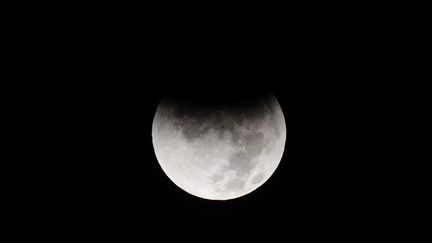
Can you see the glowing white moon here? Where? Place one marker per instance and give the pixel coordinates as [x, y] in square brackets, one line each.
[219, 154]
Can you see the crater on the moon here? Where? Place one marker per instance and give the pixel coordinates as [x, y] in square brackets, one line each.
[258, 178]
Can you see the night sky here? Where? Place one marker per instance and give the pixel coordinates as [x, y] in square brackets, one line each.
[316, 189]
[116, 185]
[101, 74]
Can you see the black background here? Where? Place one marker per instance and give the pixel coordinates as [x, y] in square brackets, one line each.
[315, 188]
[323, 73]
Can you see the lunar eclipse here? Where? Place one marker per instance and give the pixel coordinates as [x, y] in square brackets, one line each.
[219, 145]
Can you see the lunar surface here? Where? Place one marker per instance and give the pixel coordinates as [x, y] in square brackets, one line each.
[219, 151]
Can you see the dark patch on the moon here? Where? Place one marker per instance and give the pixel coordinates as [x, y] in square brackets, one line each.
[197, 124]
[236, 136]
[193, 125]
[254, 143]
[194, 129]
[274, 122]
[235, 185]
[241, 161]
[223, 122]
[217, 178]
[258, 178]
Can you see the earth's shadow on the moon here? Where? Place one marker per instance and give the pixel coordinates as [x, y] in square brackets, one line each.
[222, 95]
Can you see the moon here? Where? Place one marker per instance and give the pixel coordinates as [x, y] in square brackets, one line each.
[219, 147]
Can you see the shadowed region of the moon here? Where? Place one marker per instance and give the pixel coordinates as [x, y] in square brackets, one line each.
[235, 136]
[194, 130]
[221, 107]
[193, 125]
